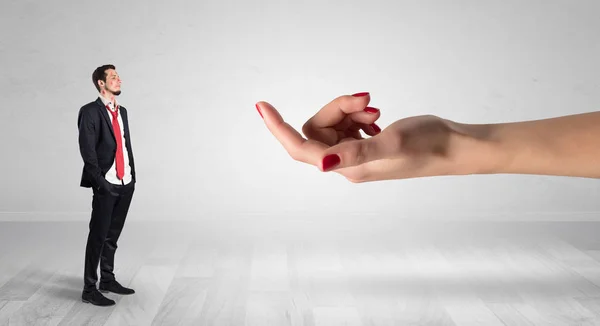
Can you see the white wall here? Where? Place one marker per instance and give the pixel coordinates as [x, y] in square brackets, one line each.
[192, 71]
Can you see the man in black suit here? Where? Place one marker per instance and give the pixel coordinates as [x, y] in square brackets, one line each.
[105, 146]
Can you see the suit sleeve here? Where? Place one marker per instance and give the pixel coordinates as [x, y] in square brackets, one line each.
[88, 137]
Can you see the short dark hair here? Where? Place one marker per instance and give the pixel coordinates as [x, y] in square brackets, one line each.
[100, 74]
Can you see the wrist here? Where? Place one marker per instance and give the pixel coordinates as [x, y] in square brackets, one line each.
[479, 149]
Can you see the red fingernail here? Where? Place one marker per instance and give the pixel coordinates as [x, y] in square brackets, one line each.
[330, 161]
[371, 110]
[258, 109]
[376, 128]
[360, 94]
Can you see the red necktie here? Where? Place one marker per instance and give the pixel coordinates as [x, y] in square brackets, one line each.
[119, 155]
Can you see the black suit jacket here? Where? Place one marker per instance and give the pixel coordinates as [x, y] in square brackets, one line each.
[97, 143]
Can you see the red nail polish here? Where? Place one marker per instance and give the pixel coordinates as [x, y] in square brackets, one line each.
[360, 94]
[258, 109]
[376, 128]
[330, 161]
[371, 110]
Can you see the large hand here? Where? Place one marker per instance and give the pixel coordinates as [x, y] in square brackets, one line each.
[412, 147]
[338, 121]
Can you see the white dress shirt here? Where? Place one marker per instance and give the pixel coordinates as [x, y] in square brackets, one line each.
[111, 175]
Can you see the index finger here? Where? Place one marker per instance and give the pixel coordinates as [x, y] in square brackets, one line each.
[299, 148]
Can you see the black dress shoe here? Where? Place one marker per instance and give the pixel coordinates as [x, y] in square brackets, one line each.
[115, 287]
[96, 298]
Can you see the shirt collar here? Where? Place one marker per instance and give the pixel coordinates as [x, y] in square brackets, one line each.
[108, 102]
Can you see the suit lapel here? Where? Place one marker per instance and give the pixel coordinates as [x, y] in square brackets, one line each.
[125, 122]
[106, 116]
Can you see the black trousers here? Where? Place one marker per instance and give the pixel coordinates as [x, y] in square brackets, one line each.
[109, 212]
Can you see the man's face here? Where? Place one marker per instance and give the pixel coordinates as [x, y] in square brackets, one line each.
[113, 82]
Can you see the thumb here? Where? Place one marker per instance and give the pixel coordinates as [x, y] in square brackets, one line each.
[360, 151]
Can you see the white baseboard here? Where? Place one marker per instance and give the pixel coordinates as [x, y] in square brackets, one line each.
[295, 217]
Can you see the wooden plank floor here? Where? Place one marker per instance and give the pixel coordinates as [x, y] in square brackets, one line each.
[451, 274]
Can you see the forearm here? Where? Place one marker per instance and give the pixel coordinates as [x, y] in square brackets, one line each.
[91, 165]
[561, 146]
